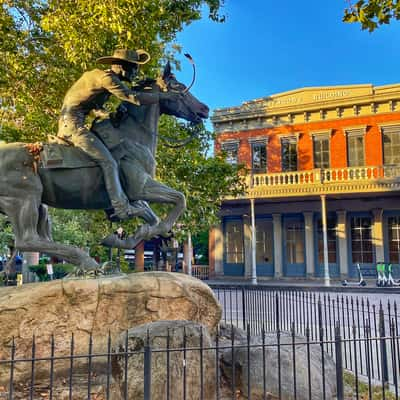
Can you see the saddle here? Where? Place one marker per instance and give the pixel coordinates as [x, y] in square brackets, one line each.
[60, 153]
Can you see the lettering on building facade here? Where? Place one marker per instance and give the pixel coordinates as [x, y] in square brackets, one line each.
[319, 96]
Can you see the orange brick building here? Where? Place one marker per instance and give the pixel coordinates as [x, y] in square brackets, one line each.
[322, 189]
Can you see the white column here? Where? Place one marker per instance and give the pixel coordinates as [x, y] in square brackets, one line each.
[217, 249]
[190, 250]
[277, 221]
[188, 254]
[309, 227]
[325, 239]
[377, 234]
[247, 246]
[253, 244]
[341, 231]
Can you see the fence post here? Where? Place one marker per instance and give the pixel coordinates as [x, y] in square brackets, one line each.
[278, 342]
[147, 371]
[382, 341]
[339, 363]
[12, 361]
[244, 308]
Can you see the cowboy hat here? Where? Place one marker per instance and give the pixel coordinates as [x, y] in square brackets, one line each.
[125, 55]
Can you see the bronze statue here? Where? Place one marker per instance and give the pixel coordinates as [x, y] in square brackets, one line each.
[62, 176]
[89, 93]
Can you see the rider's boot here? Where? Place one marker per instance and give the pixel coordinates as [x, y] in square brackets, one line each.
[119, 202]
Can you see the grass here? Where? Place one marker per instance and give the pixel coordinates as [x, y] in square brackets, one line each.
[363, 392]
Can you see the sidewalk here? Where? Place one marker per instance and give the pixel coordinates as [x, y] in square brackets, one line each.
[306, 284]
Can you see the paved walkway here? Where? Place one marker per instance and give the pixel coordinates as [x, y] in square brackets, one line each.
[310, 284]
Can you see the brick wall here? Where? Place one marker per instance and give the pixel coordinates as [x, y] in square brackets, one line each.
[338, 144]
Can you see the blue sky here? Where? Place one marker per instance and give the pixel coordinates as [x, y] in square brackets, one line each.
[266, 47]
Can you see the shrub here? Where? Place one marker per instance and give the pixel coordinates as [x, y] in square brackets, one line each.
[59, 271]
[40, 271]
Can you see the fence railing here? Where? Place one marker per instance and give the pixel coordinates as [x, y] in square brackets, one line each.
[281, 366]
[200, 271]
[255, 305]
[261, 307]
[356, 342]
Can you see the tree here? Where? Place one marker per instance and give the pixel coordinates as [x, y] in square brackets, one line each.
[203, 179]
[46, 44]
[83, 229]
[372, 13]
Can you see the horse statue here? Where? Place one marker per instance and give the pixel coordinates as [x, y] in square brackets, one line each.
[35, 176]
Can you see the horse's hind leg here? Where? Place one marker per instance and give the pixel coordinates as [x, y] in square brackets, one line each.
[30, 228]
[44, 223]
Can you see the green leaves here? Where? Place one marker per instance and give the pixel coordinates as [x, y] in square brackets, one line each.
[372, 13]
[46, 44]
[205, 180]
[6, 235]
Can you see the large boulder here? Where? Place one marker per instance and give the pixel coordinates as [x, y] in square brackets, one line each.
[96, 307]
[250, 367]
[175, 355]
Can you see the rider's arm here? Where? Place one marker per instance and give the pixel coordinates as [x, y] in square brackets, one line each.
[118, 89]
[112, 84]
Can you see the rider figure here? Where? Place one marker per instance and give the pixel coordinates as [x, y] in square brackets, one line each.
[89, 93]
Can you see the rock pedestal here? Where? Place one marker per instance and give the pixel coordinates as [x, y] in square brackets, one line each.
[95, 307]
[291, 363]
[181, 361]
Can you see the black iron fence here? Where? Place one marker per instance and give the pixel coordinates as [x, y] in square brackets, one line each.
[237, 365]
[317, 345]
[356, 317]
[257, 306]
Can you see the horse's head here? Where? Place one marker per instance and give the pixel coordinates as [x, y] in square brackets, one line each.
[180, 103]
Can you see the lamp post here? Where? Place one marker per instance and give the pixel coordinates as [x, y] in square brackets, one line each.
[327, 281]
[253, 244]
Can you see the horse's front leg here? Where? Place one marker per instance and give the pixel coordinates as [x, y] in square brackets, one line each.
[159, 193]
[155, 192]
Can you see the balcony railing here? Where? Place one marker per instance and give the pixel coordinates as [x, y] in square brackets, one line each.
[330, 180]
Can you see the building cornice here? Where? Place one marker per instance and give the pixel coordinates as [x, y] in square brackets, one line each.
[281, 108]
